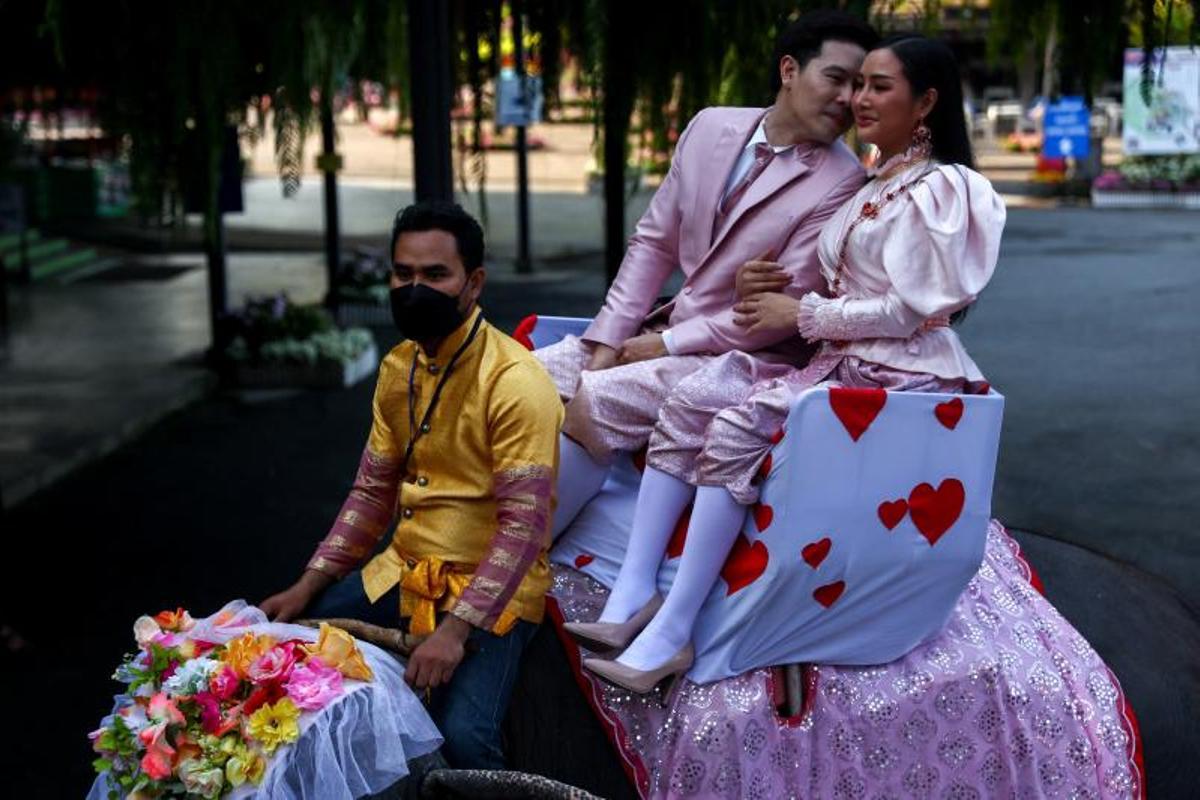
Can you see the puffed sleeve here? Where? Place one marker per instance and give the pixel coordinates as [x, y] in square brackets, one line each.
[942, 250]
[938, 252]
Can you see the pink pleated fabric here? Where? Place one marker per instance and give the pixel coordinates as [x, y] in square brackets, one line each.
[615, 410]
[1009, 700]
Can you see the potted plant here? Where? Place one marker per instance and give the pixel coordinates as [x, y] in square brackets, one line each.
[362, 288]
[275, 343]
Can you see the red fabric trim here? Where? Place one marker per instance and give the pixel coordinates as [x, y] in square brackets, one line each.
[808, 675]
[523, 329]
[635, 770]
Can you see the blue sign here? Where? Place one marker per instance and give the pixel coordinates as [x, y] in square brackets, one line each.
[1065, 129]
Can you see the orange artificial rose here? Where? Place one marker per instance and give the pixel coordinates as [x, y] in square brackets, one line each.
[240, 653]
[337, 649]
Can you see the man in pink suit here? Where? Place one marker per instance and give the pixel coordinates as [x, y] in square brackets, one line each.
[745, 184]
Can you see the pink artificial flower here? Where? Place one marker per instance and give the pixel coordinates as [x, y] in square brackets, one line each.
[167, 640]
[163, 710]
[159, 752]
[274, 665]
[210, 711]
[224, 683]
[313, 685]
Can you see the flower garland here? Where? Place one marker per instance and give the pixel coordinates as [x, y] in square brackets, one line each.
[202, 719]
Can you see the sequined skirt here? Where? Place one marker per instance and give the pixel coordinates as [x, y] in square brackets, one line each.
[1009, 700]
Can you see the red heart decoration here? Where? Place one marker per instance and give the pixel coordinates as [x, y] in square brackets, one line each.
[763, 514]
[778, 437]
[745, 563]
[857, 408]
[523, 330]
[934, 511]
[765, 469]
[815, 552]
[583, 559]
[679, 535]
[828, 594]
[891, 512]
[949, 412]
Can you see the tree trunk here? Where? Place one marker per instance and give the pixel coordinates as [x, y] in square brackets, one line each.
[329, 166]
[618, 106]
[1049, 61]
[429, 43]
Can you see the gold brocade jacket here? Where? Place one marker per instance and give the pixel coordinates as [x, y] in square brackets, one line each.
[472, 510]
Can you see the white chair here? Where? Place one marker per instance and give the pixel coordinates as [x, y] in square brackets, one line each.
[872, 520]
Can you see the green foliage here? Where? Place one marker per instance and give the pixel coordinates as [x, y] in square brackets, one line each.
[1177, 170]
[172, 76]
[1091, 35]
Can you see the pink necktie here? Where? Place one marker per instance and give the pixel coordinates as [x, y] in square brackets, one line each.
[763, 153]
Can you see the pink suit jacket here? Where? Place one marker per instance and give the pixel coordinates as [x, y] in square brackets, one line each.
[781, 215]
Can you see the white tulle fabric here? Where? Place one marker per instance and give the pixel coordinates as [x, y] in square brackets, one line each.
[927, 254]
[358, 745]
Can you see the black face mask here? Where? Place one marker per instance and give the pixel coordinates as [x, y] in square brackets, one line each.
[423, 314]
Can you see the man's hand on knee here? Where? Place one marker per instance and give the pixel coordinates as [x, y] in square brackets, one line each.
[433, 663]
[602, 357]
[642, 348]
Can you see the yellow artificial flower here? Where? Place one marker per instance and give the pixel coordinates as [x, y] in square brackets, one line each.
[337, 649]
[240, 653]
[273, 725]
[245, 765]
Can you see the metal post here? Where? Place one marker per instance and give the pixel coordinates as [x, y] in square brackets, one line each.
[218, 292]
[524, 263]
[329, 166]
[429, 45]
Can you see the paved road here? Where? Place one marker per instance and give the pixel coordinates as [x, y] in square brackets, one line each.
[1089, 329]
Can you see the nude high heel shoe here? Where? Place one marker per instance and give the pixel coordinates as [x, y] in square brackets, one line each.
[636, 680]
[602, 637]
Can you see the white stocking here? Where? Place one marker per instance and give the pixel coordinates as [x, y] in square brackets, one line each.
[661, 499]
[716, 521]
[580, 478]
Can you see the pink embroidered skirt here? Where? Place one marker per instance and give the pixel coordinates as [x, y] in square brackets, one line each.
[1009, 700]
[616, 409]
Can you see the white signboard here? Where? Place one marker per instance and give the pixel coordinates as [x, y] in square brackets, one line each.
[1170, 122]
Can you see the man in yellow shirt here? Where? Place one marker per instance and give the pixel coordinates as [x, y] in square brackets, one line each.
[462, 457]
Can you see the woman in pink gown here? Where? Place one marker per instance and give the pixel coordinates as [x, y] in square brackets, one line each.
[911, 250]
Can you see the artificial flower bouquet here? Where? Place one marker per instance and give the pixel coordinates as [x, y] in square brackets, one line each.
[209, 704]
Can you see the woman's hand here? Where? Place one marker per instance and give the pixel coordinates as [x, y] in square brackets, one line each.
[767, 312]
[755, 277]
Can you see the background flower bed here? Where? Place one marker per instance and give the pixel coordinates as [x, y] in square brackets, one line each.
[1179, 173]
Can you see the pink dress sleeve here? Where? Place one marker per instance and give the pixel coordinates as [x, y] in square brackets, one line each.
[938, 253]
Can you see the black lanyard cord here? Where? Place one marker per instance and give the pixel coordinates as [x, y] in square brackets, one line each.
[414, 431]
